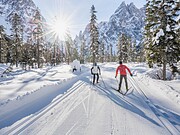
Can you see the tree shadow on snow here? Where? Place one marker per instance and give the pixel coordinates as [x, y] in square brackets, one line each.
[127, 105]
[43, 97]
[174, 118]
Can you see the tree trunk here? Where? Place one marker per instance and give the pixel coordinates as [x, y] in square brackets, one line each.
[164, 67]
[16, 56]
[38, 62]
[0, 50]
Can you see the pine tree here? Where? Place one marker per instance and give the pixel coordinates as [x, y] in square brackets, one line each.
[69, 48]
[111, 52]
[122, 48]
[75, 54]
[3, 44]
[139, 53]
[129, 48]
[94, 44]
[148, 38]
[172, 36]
[119, 49]
[54, 59]
[107, 53]
[101, 50]
[17, 29]
[83, 50]
[38, 36]
[132, 51]
[160, 32]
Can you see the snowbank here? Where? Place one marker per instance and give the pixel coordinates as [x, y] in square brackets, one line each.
[157, 73]
[3, 67]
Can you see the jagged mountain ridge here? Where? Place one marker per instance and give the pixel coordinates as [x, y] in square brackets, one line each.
[24, 8]
[126, 19]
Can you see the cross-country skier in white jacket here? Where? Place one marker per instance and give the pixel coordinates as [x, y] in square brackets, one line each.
[95, 71]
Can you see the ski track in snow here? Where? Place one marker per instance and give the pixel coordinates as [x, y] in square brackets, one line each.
[86, 109]
[167, 123]
[32, 118]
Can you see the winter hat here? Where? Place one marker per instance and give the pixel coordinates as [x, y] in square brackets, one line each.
[120, 62]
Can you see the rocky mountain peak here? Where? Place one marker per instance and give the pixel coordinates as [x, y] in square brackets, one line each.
[24, 8]
[127, 19]
[121, 7]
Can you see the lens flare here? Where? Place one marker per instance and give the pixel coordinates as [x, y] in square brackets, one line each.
[59, 28]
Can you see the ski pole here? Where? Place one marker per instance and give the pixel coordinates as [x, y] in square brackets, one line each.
[133, 79]
[91, 79]
[116, 80]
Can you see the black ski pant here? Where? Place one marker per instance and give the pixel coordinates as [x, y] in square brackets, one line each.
[94, 78]
[121, 78]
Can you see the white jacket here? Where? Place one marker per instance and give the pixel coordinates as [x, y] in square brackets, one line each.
[95, 69]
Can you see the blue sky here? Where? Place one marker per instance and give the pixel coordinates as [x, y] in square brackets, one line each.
[77, 12]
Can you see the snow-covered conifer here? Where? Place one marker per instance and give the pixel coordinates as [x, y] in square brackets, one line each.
[161, 34]
[122, 48]
[17, 30]
[38, 36]
[94, 34]
[3, 45]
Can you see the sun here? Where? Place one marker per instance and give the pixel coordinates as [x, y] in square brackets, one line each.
[59, 28]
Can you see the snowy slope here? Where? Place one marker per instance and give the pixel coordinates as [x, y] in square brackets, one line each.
[57, 101]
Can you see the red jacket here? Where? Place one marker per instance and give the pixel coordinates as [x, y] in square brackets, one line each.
[122, 68]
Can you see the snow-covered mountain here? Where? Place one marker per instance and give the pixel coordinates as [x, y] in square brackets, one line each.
[24, 8]
[126, 19]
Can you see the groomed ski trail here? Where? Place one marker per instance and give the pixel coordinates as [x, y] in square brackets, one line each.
[86, 109]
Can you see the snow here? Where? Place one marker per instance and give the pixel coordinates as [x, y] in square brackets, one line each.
[3, 67]
[76, 64]
[159, 34]
[168, 28]
[54, 100]
[5, 24]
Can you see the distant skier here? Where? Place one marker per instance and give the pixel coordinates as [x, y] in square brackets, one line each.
[95, 71]
[74, 69]
[76, 65]
[122, 68]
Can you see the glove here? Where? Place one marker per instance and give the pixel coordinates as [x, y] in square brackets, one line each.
[115, 76]
[131, 74]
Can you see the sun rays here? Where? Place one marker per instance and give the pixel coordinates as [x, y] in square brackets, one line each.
[61, 20]
[59, 27]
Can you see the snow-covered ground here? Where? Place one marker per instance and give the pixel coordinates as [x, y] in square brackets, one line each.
[54, 100]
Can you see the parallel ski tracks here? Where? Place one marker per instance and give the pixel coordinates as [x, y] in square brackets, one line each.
[20, 127]
[23, 125]
[173, 130]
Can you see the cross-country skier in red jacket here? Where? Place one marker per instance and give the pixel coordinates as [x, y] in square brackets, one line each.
[122, 69]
